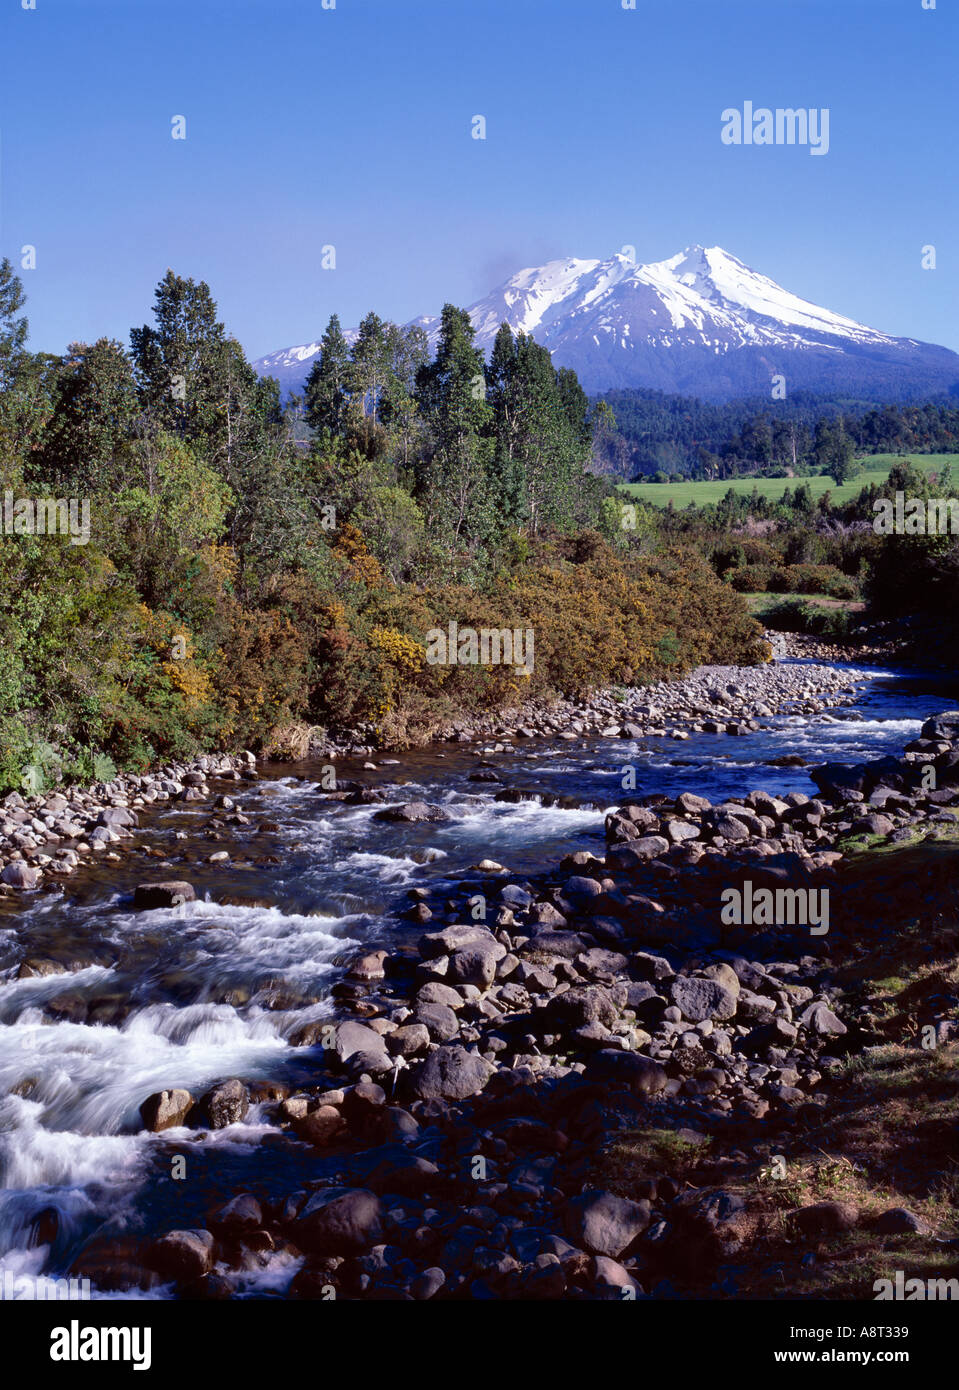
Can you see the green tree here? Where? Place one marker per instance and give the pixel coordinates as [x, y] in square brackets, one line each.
[24, 380]
[327, 386]
[89, 429]
[452, 477]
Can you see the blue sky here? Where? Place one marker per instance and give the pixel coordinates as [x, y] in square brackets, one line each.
[351, 127]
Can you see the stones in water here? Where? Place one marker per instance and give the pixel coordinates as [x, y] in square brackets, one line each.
[170, 893]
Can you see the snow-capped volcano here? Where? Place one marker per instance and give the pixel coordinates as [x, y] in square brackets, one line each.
[700, 322]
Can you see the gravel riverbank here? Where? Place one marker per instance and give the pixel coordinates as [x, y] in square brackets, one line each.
[43, 838]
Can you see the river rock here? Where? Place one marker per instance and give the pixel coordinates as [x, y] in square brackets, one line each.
[321, 1127]
[439, 1020]
[166, 1110]
[369, 967]
[172, 893]
[582, 1005]
[20, 875]
[679, 831]
[640, 1074]
[702, 999]
[821, 1020]
[182, 1255]
[638, 851]
[408, 1040]
[451, 1073]
[605, 1224]
[826, 1218]
[435, 992]
[724, 975]
[225, 1104]
[455, 938]
[611, 1279]
[476, 964]
[340, 1221]
[350, 1037]
[413, 812]
[241, 1213]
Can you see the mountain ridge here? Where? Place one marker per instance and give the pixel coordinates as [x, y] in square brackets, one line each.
[701, 323]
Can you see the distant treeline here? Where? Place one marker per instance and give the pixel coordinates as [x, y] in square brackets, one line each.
[669, 435]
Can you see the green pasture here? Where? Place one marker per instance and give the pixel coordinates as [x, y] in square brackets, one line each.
[873, 468]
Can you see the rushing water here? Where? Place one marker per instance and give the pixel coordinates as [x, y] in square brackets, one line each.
[217, 988]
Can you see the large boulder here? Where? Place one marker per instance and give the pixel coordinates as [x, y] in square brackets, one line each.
[171, 893]
[408, 1040]
[943, 726]
[818, 1018]
[701, 999]
[640, 1074]
[182, 1255]
[340, 1221]
[451, 1073]
[166, 1110]
[731, 828]
[20, 875]
[413, 812]
[225, 1104]
[826, 1218]
[440, 1021]
[637, 852]
[475, 964]
[435, 992]
[351, 1037]
[839, 779]
[679, 831]
[242, 1213]
[455, 938]
[321, 1127]
[605, 1224]
[582, 1005]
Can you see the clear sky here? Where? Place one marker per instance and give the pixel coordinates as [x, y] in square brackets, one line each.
[352, 127]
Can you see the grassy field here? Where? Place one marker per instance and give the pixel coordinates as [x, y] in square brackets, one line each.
[760, 603]
[874, 468]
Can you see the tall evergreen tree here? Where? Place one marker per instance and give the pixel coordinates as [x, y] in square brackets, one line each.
[452, 482]
[180, 363]
[13, 325]
[506, 473]
[25, 379]
[327, 386]
[94, 409]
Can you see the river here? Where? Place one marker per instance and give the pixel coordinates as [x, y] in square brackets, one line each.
[217, 988]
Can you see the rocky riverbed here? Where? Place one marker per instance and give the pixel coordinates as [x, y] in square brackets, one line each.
[711, 699]
[460, 1104]
[47, 837]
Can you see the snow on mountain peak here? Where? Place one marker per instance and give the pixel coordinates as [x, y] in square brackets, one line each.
[621, 323]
